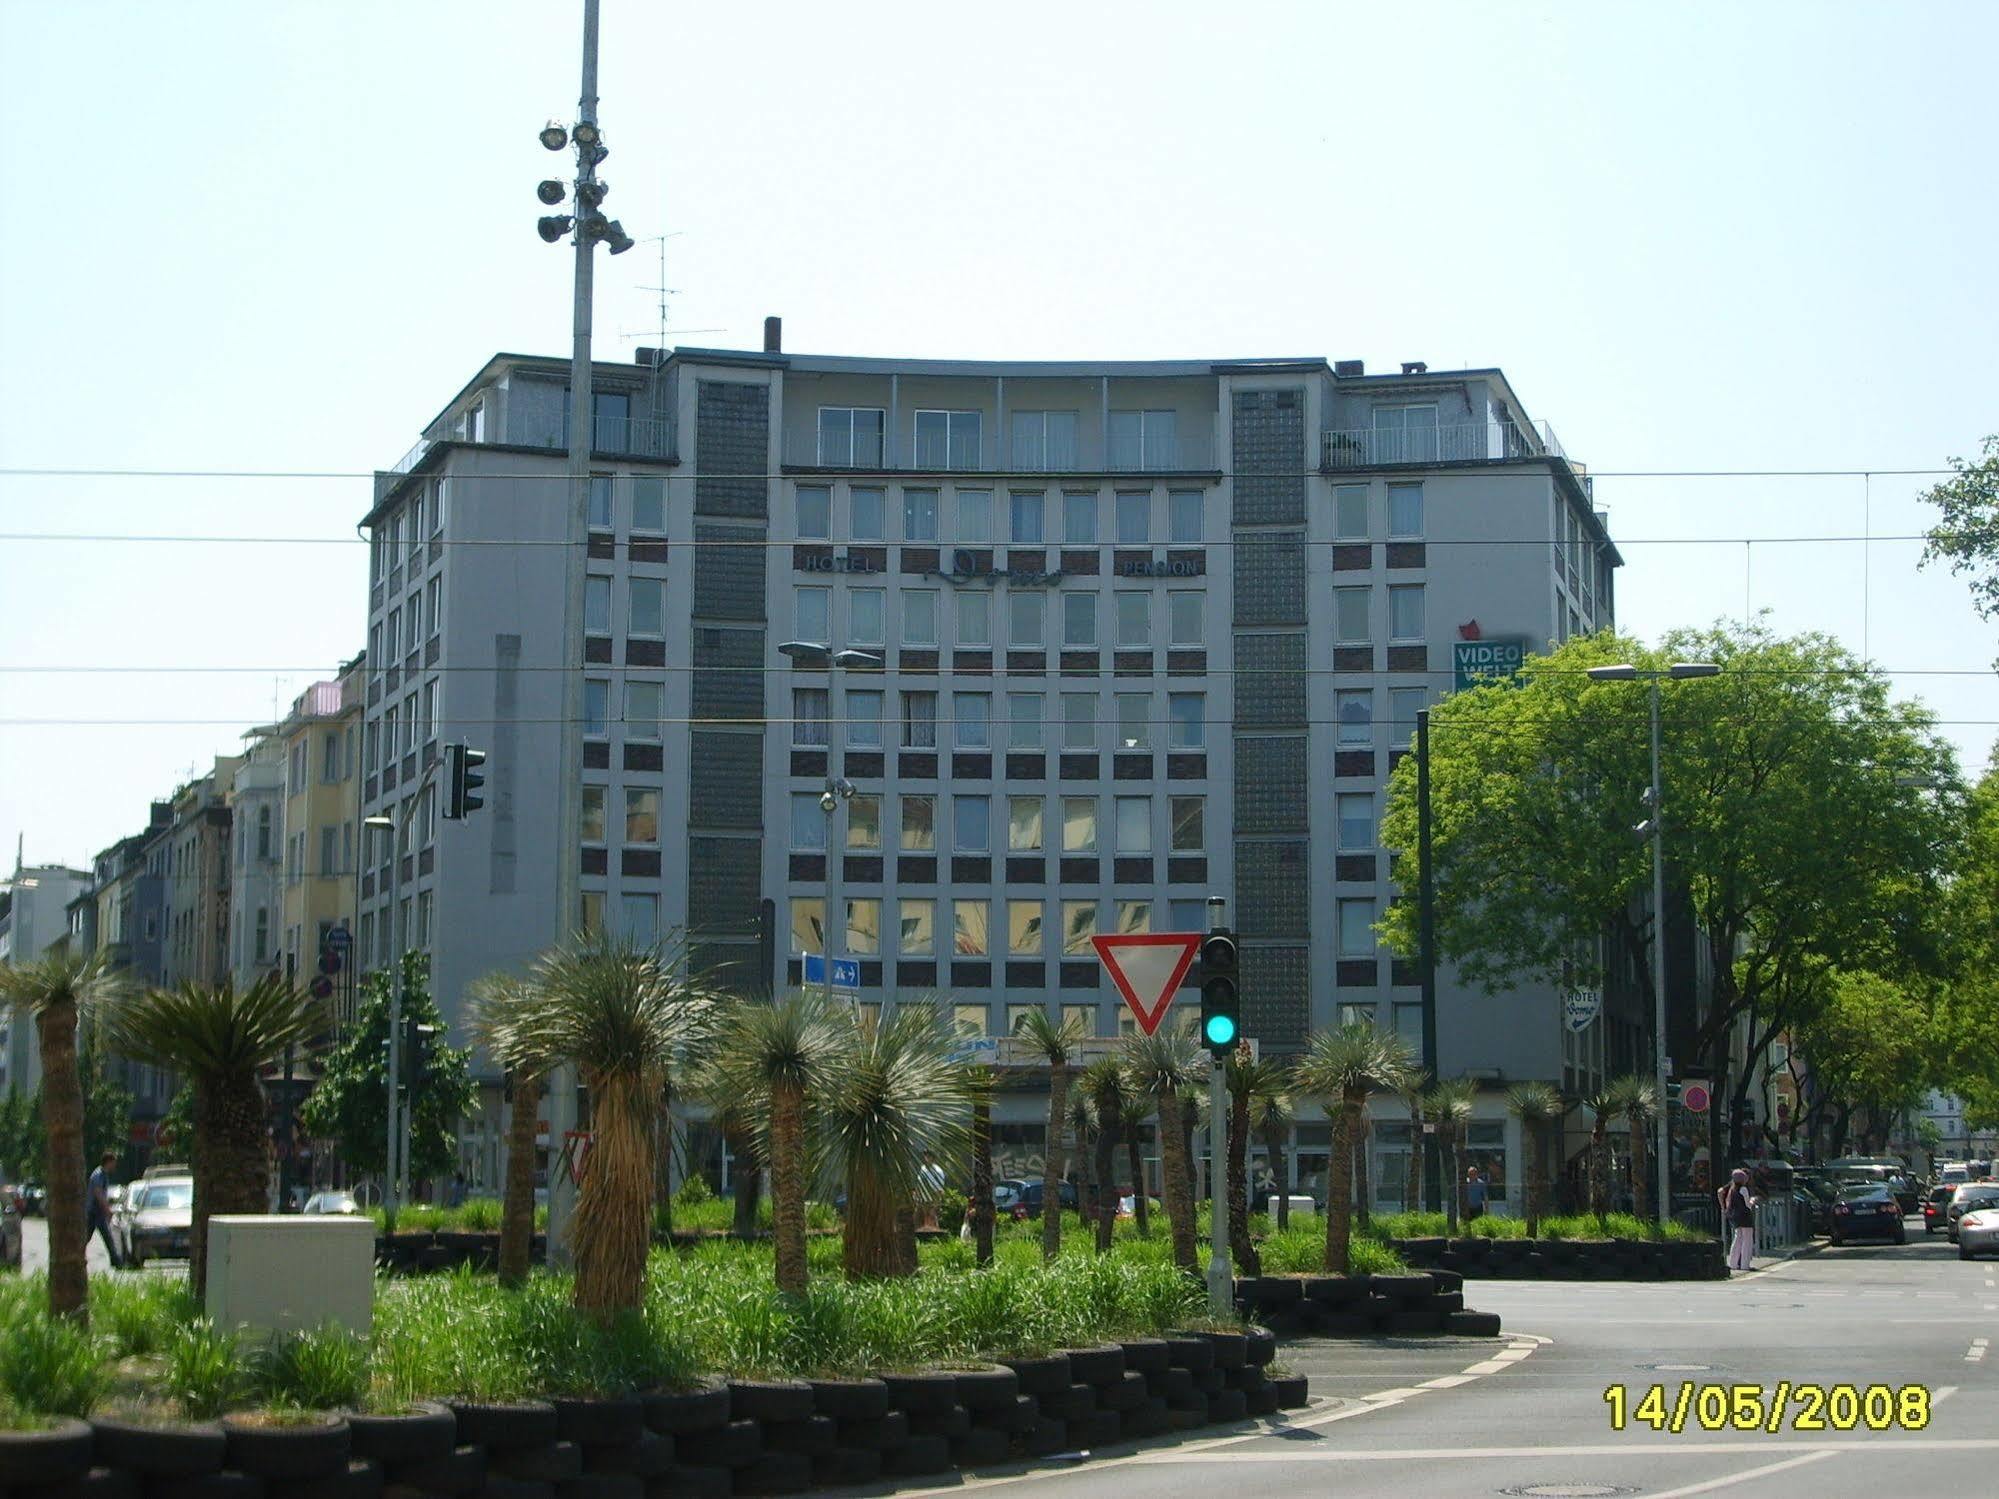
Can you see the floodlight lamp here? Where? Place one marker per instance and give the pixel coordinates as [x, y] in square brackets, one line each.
[614, 233]
[586, 133]
[554, 226]
[1622, 673]
[549, 191]
[554, 136]
[827, 801]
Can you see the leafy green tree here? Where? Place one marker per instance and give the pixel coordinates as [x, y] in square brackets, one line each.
[1966, 1015]
[350, 1103]
[1872, 1049]
[1808, 819]
[1967, 534]
[107, 1104]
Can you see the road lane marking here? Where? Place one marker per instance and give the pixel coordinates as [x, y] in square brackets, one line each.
[1729, 1481]
[1976, 1351]
[1330, 1454]
[1448, 1381]
[1490, 1366]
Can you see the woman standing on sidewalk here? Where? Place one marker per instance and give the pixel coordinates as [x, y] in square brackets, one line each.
[1738, 1219]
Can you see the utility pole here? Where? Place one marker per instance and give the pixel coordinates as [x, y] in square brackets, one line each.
[1426, 955]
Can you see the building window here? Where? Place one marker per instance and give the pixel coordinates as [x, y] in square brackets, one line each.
[1027, 614]
[1354, 710]
[1186, 728]
[1134, 916]
[264, 837]
[1044, 440]
[1133, 730]
[1404, 434]
[972, 712]
[590, 912]
[1079, 517]
[1024, 516]
[641, 814]
[969, 919]
[864, 824]
[975, 617]
[1134, 824]
[1354, 811]
[865, 514]
[1183, 617]
[596, 706]
[968, 1021]
[809, 710]
[648, 607]
[811, 614]
[597, 605]
[1405, 511]
[919, 720]
[1079, 720]
[1357, 1015]
[975, 518]
[1350, 512]
[1350, 625]
[808, 924]
[638, 919]
[1023, 720]
[947, 439]
[1023, 928]
[1405, 612]
[648, 503]
[1356, 928]
[864, 718]
[329, 757]
[971, 824]
[1186, 916]
[1079, 824]
[919, 515]
[808, 822]
[1134, 514]
[593, 814]
[815, 512]
[642, 710]
[1188, 814]
[329, 851]
[864, 925]
[864, 616]
[919, 617]
[850, 436]
[1143, 439]
[917, 920]
[263, 947]
[600, 502]
[1184, 516]
[1079, 619]
[1023, 824]
[1134, 619]
[919, 823]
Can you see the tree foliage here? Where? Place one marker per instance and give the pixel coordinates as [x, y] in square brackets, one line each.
[350, 1103]
[1966, 535]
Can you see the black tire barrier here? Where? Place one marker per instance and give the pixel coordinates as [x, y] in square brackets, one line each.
[1189, 1351]
[671, 1412]
[1187, 1417]
[502, 1486]
[219, 1485]
[651, 1456]
[845, 1465]
[769, 1399]
[1473, 1324]
[952, 1421]
[1151, 1419]
[1147, 1356]
[995, 1388]
[306, 1449]
[600, 1423]
[601, 1486]
[733, 1444]
[1231, 1349]
[815, 1436]
[1227, 1405]
[1045, 1438]
[686, 1482]
[1260, 1347]
[1261, 1401]
[1018, 1415]
[1040, 1376]
[357, 1478]
[58, 1452]
[427, 1431]
[922, 1394]
[500, 1425]
[883, 1435]
[1210, 1381]
[917, 1457]
[1073, 1404]
[462, 1470]
[91, 1483]
[980, 1447]
[850, 1399]
[1104, 1429]
[1293, 1392]
[774, 1473]
[1128, 1394]
[1177, 1385]
[1101, 1365]
[550, 1463]
[160, 1451]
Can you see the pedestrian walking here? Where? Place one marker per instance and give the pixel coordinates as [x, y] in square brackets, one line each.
[1738, 1218]
[1474, 1193]
[97, 1209]
[929, 1189]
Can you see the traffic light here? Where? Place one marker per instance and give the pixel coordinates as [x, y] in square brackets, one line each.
[419, 1044]
[462, 780]
[1221, 1003]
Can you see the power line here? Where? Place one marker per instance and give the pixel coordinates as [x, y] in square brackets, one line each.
[1251, 540]
[492, 721]
[928, 478]
[1057, 673]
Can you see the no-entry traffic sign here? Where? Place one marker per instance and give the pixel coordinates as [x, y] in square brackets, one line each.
[1694, 1098]
[1147, 968]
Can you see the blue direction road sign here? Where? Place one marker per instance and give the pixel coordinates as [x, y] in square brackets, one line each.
[846, 971]
[339, 937]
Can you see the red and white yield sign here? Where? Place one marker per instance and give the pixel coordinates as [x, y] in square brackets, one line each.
[1147, 968]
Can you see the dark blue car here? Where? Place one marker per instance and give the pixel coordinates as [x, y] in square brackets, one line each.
[1868, 1213]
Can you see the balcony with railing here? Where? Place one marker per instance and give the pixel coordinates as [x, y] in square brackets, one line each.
[1435, 446]
[978, 452]
[615, 437]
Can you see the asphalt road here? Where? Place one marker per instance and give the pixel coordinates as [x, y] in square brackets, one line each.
[1525, 1414]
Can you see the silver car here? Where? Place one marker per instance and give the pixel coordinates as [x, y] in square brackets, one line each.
[1969, 1198]
[1978, 1233]
[154, 1220]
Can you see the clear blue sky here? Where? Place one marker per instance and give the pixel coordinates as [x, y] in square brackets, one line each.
[280, 236]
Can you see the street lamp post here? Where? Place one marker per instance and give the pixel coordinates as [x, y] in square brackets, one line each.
[394, 1161]
[1655, 827]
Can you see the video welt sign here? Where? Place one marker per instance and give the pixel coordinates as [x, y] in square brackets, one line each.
[1479, 663]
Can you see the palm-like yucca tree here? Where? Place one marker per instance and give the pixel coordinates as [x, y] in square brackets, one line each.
[978, 1083]
[894, 1095]
[1164, 1067]
[218, 1039]
[1340, 1068]
[1448, 1105]
[1639, 1096]
[1411, 1088]
[775, 1055]
[1103, 1084]
[1082, 1136]
[1248, 1082]
[1131, 1126]
[1604, 1105]
[618, 1014]
[1536, 1106]
[1271, 1116]
[56, 991]
[1056, 1044]
[497, 999]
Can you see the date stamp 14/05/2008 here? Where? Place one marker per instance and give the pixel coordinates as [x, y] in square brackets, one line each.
[1769, 1408]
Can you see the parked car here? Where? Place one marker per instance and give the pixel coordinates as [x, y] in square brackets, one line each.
[1816, 1196]
[1006, 1192]
[331, 1205]
[1936, 1205]
[34, 1199]
[1965, 1199]
[1030, 1198]
[1978, 1233]
[10, 1229]
[155, 1219]
[1864, 1212]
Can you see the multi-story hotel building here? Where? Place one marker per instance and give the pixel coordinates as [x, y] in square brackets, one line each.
[1147, 632]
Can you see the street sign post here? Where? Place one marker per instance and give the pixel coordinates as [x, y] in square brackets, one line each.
[846, 972]
[1694, 1098]
[1580, 1007]
[1147, 968]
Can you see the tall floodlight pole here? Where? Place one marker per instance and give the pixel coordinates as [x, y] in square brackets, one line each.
[1426, 957]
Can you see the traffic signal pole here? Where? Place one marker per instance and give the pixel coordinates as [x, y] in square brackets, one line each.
[1220, 1029]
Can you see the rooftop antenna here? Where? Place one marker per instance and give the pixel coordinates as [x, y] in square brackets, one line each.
[663, 289]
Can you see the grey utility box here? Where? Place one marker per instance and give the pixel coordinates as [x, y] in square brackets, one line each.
[277, 1273]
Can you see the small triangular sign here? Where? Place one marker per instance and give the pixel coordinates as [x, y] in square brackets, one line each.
[1147, 968]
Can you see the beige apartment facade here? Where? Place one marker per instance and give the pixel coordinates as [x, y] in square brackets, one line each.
[321, 738]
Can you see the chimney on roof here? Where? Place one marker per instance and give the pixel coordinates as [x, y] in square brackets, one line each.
[1415, 367]
[773, 335]
[1349, 369]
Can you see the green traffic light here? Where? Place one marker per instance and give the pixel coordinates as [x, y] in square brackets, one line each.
[1219, 1029]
